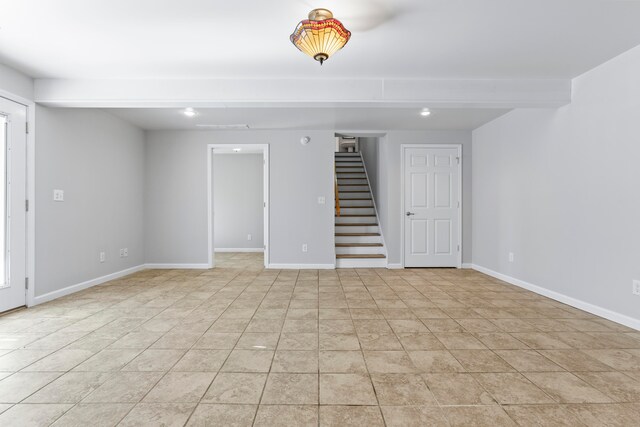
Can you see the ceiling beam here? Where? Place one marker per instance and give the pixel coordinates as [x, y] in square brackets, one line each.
[369, 93]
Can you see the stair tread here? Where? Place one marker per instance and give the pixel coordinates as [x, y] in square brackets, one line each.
[352, 185]
[357, 224]
[354, 215]
[355, 198]
[358, 245]
[355, 207]
[360, 256]
[357, 234]
[355, 191]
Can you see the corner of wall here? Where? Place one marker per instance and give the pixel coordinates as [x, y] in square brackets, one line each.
[16, 84]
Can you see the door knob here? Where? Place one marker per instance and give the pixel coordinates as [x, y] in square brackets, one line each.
[410, 213]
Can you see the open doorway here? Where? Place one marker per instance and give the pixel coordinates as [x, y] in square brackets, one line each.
[238, 184]
[359, 241]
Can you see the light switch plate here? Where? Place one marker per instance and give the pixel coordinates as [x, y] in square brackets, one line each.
[636, 287]
[58, 195]
[321, 200]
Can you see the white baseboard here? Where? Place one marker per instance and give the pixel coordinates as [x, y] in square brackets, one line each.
[399, 266]
[177, 266]
[238, 250]
[573, 302]
[84, 285]
[302, 266]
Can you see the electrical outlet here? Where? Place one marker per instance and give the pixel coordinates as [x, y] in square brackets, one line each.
[636, 287]
[125, 251]
[321, 200]
[249, 237]
[304, 247]
[510, 256]
[58, 195]
[121, 253]
[103, 256]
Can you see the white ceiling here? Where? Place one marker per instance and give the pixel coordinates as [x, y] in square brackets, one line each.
[362, 119]
[249, 38]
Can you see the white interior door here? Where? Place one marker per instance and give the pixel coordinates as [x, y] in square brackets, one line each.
[431, 206]
[13, 168]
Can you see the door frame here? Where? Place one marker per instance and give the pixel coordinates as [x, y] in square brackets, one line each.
[403, 148]
[265, 183]
[30, 193]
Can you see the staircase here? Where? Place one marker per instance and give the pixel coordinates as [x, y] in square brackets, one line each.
[358, 239]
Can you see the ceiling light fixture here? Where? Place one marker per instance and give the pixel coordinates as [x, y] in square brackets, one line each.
[320, 36]
[189, 112]
[425, 112]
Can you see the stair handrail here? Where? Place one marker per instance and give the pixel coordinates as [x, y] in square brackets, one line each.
[336, 190]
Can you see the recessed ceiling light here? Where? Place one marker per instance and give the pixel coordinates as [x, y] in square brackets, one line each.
[237, 150]
[425, 112]
[189, 112]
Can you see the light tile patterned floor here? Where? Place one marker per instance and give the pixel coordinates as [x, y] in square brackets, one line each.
[240, 345]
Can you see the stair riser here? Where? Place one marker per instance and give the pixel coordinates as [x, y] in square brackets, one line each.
[357, 229]
[357, 169]
[344, 154]
[358, 239]
[355, 175]
[343, 195]
[353, 188]
[344, 210]
[349, 163]
[355, 219]
[361, 263]
[362, 181]
[351, 203]
[359, 251]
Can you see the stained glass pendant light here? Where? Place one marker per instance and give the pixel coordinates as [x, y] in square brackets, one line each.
[321, 35]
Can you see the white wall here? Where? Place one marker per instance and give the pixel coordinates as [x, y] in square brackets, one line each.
[388, 198]
[238, 195]
[176, 200]
[559, 189]
[369, 150]
[13, 82]
[98, 160]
